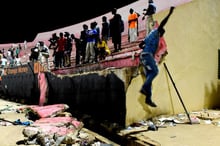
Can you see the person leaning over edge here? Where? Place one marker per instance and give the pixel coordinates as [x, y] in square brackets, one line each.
[149, 46]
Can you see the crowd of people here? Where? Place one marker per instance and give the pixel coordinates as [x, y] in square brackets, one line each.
[90, 47]
[92, 44]
[10, 57]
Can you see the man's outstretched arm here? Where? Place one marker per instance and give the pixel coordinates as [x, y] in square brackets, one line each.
[164, 21]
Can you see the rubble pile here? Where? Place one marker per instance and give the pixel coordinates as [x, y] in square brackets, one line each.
[51, 125]
[54, 127]
[136, 133]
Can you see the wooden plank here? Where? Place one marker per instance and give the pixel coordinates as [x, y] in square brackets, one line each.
[133, 130]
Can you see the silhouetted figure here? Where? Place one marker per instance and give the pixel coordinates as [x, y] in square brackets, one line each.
[116, 29]
[83, 38]
[105, 29]
[78, 48]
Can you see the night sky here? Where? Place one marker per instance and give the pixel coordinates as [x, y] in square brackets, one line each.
[23, 20]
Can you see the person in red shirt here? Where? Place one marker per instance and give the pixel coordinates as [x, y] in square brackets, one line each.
[60, 50]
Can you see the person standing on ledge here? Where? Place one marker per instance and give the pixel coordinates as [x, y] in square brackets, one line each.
[149, 12]
[116, 28]
[149, 46]
[132, 26]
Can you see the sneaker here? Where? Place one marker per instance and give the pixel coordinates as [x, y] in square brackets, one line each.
[150, 103]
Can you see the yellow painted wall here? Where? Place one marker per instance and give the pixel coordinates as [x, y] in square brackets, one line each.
[193, 39]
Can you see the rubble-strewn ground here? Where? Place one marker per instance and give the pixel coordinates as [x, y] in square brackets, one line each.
[15, 126]
[176, 130]
[187, 135]
[204, 131]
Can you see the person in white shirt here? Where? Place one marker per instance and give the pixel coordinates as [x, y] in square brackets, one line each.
[4, 62]
[44, 54]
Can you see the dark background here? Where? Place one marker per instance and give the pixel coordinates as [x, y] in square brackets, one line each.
[23, 20]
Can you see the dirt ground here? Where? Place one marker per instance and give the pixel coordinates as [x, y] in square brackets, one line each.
[187, 135]
[203, 134]
[10, 133]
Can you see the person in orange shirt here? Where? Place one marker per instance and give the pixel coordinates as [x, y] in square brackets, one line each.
[132, 26]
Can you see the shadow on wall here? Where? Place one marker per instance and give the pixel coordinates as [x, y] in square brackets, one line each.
[214, 94]
[102, 97]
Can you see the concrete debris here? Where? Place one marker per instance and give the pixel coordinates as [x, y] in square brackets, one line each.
[53, 126]
[135, 131]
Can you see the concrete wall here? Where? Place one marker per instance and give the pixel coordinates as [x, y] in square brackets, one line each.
[192, 36]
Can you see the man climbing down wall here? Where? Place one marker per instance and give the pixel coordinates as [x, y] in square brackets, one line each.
[150, 46]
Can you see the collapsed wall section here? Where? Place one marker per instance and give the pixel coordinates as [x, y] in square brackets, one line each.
[100, 94]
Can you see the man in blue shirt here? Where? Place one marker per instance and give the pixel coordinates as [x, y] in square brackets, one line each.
[149, 46]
